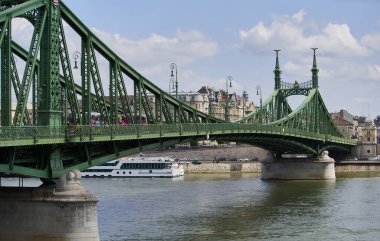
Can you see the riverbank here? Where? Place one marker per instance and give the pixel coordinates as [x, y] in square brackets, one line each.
[228, 160]
[357, 166]
[207, 167]
[255, 167]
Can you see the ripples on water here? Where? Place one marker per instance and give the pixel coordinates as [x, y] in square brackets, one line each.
[237, 207]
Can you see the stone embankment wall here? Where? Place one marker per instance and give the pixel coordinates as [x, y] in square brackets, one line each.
[209, 167]
[217, 159]
[210, 154]
[357, 167]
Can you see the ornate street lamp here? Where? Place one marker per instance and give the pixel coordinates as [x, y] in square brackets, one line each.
[76, 55]
[258, 92]
[227, 107]
[171, 85]
[174, 79]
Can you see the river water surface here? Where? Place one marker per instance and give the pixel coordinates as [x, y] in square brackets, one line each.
[237, 207]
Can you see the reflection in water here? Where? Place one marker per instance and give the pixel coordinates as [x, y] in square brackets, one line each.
[272, 209]
[236, 207]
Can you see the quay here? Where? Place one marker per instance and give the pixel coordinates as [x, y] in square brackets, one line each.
[243, 159]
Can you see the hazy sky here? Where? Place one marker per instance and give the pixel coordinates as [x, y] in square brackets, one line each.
[211, 39]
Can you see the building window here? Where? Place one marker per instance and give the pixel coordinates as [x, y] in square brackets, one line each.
[368, 138]
[368, 151]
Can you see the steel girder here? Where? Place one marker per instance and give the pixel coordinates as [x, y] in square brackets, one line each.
[274, 108]
[48, 153]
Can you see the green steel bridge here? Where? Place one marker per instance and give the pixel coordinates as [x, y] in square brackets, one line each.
[58, 136]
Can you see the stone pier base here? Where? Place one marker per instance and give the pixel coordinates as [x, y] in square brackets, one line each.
[61, 212]
[320, 168]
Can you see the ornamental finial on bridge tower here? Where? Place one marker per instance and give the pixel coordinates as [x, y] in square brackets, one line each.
[314, 70]
[277, 72]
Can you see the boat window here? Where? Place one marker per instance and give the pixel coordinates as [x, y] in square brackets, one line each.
[98, 170]
[107, 164]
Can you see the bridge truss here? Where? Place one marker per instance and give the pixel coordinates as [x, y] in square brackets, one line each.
[59, 137]
[311, 116]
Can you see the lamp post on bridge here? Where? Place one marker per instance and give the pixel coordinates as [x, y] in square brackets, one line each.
[171, 85]
[76, 55]
[245, 97]
[258, 92]
[227, 107]
[174, 78]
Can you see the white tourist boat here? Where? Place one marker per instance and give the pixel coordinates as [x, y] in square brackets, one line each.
[139, 166]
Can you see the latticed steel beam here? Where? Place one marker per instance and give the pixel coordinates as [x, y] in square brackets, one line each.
[68, 75]
[16, 8]
[124, 100]
[16, 87]
[86, 82]
[30, 66]
[166, 111]
[147, 107]
[98, 87]
[6, 72]
[113, 97]
[4, 29]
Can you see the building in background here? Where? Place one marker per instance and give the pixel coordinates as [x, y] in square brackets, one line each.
[368, 137]
[362, 128]
[346, 123]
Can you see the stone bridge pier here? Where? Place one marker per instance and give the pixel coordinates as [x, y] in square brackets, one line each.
[319, 168]
[64, 211]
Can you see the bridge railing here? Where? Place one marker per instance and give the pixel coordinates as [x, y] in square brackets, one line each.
[27, 132]
[45, 135]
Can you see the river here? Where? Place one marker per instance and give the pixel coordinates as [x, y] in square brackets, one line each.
[237, 207]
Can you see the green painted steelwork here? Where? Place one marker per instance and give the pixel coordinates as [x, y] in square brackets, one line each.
[311, 115]
[60, 136]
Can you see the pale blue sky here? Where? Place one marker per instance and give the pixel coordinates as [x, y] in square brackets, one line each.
[211, 39]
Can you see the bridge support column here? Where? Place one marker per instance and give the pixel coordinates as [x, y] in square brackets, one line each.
[320, 168]
[65, 211]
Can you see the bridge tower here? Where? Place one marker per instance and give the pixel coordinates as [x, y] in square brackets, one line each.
[321, 167]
